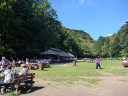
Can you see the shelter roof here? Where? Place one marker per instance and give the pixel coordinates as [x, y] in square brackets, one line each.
[58, 52]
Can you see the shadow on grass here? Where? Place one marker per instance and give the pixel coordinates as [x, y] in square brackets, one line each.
[42, 70]
[30, 89]
[81, 61]
[104, 68]
[45, 70]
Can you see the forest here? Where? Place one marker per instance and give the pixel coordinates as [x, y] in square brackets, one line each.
[29, 27]
[115, 45]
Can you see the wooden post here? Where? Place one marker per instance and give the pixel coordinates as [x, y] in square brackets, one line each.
[41, 66]
[31, 80]
[17, 88]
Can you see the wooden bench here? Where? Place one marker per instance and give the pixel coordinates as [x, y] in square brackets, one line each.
[20, 80]
[8, 85]
[23, 79]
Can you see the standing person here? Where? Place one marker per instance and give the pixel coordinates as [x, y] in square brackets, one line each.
[24, 70]
[4, 62]
[8, 78]
[123, 58]
[98, 62]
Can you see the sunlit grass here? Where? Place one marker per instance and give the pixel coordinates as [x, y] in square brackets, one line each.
[70, 73]
[11, 94]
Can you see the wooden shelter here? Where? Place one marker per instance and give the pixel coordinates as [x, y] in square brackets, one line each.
[57, 54]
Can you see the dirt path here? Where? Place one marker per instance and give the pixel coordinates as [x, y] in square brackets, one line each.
[113, 86]
[110, 86]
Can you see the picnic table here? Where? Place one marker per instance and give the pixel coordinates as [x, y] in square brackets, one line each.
[40, 66]
[125, 64]
[91, 60]
[32, 65]
[20, 80]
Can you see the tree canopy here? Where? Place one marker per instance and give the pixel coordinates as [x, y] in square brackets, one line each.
[29, 27]
[115, 45]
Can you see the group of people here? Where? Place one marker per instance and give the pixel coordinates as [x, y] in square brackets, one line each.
[125, 60]
[8, 73]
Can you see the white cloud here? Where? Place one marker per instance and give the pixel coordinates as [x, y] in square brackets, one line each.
[88, 2]
[122, 23]
[109, 35]
[81, 1]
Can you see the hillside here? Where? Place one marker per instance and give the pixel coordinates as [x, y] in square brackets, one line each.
[35, 28]
[84, 40]
[115, 45]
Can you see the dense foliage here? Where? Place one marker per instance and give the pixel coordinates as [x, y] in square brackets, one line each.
[115, 45]
[84, 41]
[29, 27]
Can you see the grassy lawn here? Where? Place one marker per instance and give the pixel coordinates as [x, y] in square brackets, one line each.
[82, 74]
[69, 73]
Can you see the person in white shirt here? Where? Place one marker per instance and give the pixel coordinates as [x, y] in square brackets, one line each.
[4, 62]
[24, 70]
[27, 61]
[8, 78]
[123, 58]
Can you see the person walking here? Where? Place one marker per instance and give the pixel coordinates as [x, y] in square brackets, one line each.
[98, 63]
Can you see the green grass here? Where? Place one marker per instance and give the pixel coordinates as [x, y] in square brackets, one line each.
[11, 94]
[114, 67]
[69, 73]
[82, 74]
[92, 81]
[123, 80]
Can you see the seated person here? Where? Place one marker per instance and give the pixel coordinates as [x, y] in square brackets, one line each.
[1, 68]
[49, 60]
[19, 62]
[8, 78]
[42, 61]
[4, 62]
[27, 61]
[32, 67]
[24, 70]
[22, 61]
[125, 61]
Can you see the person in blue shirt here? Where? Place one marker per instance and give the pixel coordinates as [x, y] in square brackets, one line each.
[4, 62]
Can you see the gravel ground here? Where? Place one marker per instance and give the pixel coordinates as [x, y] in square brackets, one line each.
[110, 86]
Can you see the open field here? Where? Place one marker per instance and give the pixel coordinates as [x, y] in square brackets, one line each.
[67, 73]
[81, 80]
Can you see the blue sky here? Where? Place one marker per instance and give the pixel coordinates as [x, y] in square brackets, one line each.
[96, 17]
